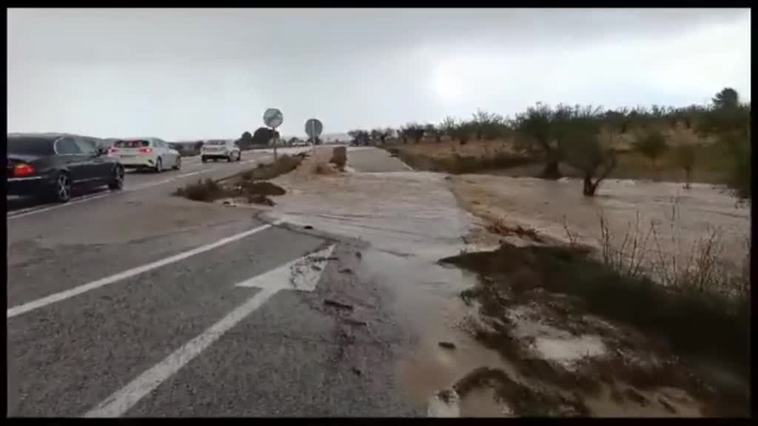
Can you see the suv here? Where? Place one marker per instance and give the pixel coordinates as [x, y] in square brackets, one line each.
[220, 149]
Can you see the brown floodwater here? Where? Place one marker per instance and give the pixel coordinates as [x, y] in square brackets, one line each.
[412, 219]
[683, 218]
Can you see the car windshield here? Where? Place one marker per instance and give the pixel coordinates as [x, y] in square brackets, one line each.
[30, 146]
[131, 144]
[216, 143]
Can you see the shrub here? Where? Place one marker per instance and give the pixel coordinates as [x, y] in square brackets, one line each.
[651, 144]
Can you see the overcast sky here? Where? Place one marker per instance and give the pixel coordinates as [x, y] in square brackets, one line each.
[210, 73]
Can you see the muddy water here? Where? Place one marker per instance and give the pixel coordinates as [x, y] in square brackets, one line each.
[412, 219]
[545, 205]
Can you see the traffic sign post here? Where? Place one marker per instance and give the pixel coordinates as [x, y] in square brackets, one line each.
[313, 129]
[273, 118]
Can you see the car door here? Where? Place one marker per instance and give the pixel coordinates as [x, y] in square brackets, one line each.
[173, 153]
[96, 167]
[166, 157]
[73, 159]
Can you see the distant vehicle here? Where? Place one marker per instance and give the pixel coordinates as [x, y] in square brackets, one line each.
[220, 149]
[148, 153]
[51, 166]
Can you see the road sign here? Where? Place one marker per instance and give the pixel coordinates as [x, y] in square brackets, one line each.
[273, 118]
[313, 128]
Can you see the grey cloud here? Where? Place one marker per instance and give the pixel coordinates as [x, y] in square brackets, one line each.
[211, 72]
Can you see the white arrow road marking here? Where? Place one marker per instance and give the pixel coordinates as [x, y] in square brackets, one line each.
[63, 295]
[296, 275]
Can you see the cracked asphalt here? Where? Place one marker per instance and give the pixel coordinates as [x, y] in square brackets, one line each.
[330, 352]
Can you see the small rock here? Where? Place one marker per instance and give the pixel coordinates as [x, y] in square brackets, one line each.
[356, 371]
[334, 303]
[447, 345]
[307, 227]
[346, 271]
[355, 322]
[315, 268]
[358, 254]
[227, 203]
[444, 404]
[667, 406]
[636, 396]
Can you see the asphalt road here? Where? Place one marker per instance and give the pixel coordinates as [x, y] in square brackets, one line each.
[137, 303]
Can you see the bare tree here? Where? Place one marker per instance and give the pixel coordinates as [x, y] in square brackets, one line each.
[590, 149]
[447, 127]
[684, 141]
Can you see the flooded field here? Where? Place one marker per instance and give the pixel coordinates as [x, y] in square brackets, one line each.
[682, 218]
[412, 220]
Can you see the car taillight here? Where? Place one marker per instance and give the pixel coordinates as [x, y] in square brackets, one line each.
[112, 150]
[145, 150]
[23, 170]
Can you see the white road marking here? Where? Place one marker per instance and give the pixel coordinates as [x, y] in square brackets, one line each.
[270, 283]
[66, 294]
[34, 210]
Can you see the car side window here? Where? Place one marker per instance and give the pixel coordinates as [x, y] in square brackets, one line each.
[67, 146]
[85, 147]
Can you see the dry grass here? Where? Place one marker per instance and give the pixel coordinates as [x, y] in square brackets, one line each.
[451, 157]
[712, 160]
[699, 268]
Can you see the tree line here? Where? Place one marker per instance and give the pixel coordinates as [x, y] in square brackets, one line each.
[586, 137]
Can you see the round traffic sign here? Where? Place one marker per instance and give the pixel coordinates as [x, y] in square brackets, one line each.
[313, 128]
[273, 118]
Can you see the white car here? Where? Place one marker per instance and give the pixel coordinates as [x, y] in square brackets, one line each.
[221, 149]
[146, 153]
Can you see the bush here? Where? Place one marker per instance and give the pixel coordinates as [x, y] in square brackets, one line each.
[650, 143]
[207, 190]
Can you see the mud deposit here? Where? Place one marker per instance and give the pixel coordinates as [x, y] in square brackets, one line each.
[566, 360]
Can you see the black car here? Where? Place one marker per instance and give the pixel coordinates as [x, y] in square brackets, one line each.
[50, 166]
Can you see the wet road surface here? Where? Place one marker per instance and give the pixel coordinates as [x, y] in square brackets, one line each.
[138, 303]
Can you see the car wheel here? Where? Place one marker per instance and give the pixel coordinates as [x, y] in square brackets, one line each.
[239, 156]
[203, 160]
[158, 165]
[178, 164]
[118, 179]
[230, 158]
[62, 189]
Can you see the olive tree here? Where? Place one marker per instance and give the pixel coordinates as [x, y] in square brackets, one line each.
[589, 148]
[726, 98]
[413, 131]
[447, 127]
[684, 143]
[650, 143]
[537, 132]
[463, 132]
[487, 125]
